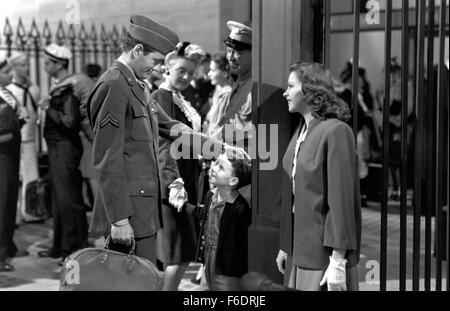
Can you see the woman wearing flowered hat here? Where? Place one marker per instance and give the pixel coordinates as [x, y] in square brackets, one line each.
[177, 240]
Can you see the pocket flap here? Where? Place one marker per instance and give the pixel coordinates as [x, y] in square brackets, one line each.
[139, 111]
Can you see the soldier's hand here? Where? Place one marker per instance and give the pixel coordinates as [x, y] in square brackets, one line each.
[238, 152]
[122, 234]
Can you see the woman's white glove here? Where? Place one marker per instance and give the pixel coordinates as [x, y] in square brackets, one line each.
[177, 194]
[281, 261]
[335, 275]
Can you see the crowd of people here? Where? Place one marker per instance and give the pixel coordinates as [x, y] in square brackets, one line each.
[110, 151]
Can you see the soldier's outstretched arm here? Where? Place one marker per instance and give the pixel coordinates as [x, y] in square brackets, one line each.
[109, 104]
[172, 129]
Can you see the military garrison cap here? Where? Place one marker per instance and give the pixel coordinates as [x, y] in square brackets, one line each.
[153, 34]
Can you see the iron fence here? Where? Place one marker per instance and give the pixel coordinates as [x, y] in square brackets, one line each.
[428, 167]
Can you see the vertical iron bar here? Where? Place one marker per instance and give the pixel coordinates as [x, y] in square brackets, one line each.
[419, 144]
[439, 150]
[82, 36]
[404, 147]
[20, 36]
[386, 115]
[355, 67]
[431, 162]
[327, 32]
[93, 37]
[35, 36]
[72, 36]
[7, 32]
[47, 34]
[104, 40]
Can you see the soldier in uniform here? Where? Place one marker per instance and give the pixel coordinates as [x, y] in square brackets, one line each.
[237, 120]
[126, 124]
[61, 131]
[238, 112]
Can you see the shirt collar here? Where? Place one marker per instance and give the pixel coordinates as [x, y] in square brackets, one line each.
[308, 118]
[230, 199]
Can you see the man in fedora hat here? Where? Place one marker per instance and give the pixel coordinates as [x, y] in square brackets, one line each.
[126, 124]
[61, 132]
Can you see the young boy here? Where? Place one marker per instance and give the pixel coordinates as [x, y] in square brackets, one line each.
[224, 219]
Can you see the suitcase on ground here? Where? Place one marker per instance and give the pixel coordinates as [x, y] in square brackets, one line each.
[96, 269]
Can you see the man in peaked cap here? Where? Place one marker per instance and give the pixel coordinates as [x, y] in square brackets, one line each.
[61, 132]
[127, 123]
[237, 120]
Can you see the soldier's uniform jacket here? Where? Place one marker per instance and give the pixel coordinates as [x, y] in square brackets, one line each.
[238, 113]
[126, 125]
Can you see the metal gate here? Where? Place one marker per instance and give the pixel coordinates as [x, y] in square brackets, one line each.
[421, 21]
[87, 46]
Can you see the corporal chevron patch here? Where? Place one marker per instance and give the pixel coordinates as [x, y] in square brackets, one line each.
[109, 119]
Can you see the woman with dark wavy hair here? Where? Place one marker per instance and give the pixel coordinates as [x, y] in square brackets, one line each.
[320, 211]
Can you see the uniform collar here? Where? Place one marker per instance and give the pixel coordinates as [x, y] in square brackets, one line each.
[126, 70]
[245, 76]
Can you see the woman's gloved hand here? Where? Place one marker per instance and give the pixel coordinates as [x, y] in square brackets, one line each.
[335, 275]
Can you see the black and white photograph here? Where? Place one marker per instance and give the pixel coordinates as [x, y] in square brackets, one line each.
[224, 149]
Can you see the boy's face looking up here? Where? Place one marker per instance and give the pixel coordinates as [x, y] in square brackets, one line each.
[221, 172]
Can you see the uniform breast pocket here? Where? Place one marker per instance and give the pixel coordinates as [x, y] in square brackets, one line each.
[140, 125]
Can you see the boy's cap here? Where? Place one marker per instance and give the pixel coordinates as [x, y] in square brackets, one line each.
[58, 52]
[153, 34]
[240, 37]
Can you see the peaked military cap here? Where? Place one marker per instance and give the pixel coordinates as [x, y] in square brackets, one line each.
[153, 34]
[240, 37]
